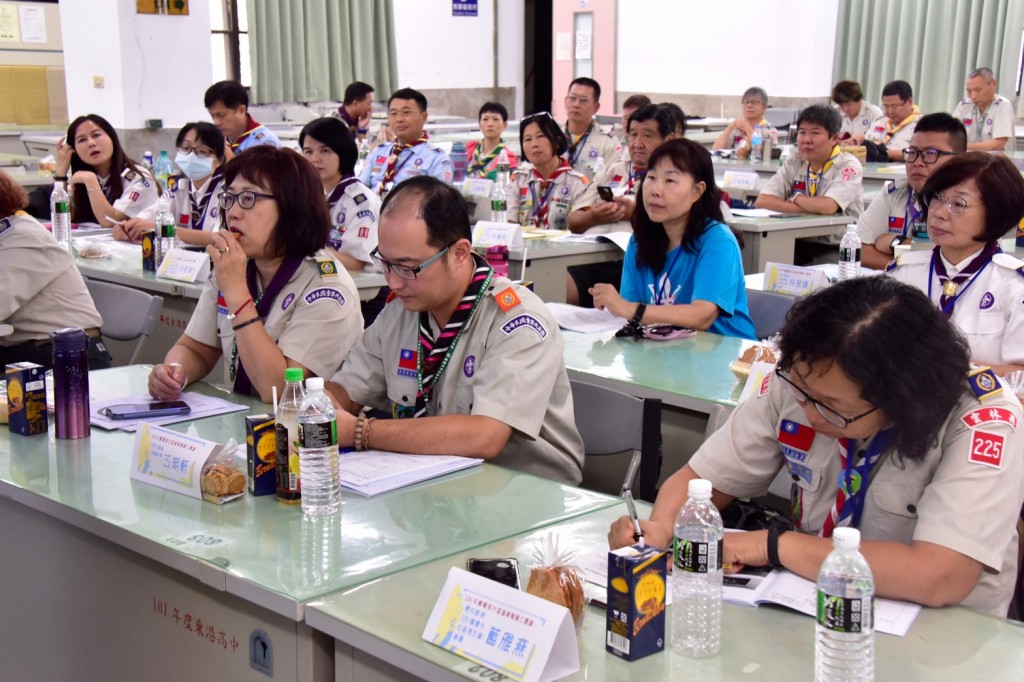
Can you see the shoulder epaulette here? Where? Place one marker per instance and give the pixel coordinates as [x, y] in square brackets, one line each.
[984, 383]
[507, 299]
[890, 186]
[326, 267]
[128, 174]
[5, 224]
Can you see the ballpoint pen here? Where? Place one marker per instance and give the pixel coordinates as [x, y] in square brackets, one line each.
[638, 533]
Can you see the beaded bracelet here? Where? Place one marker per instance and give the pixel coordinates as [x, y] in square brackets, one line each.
[366, 433]
[245, 324]
[357, 441]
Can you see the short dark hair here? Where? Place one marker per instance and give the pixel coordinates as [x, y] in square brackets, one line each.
[441, 207]
[661, 115]
[81, 208]
[651, 239]
[823, 115]
[303, 222]
[356, 91]
[336, 135]
[847, 91]
[409, 93]
[493, 108]
[678, 114]
[206, 133]
[231, 94]
[758, 92]
[942, 122]
[856, 323]
[587, 83]
[636, 101]
[548, 129]
[13, 196]
[999, 182]
[900, 89]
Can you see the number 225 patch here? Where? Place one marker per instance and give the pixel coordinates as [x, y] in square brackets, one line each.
[987, 448]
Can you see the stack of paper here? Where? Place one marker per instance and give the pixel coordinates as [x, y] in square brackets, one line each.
[585, 320]
[372, 472]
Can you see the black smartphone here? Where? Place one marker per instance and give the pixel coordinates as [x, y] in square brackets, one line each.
[504, 571]
[605, 192]
[159, 408]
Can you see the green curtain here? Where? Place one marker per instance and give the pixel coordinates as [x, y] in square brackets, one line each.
[931, 44]
[307, 50]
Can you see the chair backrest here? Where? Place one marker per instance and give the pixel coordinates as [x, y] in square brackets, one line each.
[611, 422]
[780, 117]
[768, 311]
[128, 314]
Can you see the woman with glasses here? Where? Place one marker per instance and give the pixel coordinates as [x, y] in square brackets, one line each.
[683, 264]
[881, 424]
[970, 203]
[546, 191]
[738, 133]
[277, 297]
[104, 183]
[194, 192]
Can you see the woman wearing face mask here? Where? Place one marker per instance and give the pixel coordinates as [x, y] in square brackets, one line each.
[104, 183]
[194, 192]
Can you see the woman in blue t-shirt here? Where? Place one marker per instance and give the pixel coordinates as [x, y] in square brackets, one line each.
[683, 264]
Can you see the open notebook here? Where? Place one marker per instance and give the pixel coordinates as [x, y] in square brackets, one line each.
[372, 472]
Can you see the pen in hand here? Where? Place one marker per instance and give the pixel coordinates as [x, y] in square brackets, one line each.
[638, 533]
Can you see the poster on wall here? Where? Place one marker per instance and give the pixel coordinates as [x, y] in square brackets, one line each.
[161, 7]
[464, 8]
[9, 30]
[33, 24]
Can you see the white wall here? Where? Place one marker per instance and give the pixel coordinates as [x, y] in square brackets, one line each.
[153, 66]
[725, 46]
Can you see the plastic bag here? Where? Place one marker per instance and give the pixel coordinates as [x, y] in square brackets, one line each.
[554, 577]
[222, 480]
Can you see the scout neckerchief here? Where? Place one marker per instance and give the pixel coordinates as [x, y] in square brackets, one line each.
[853, 483]
[891, 130]
[346, 117]
[814, 178]
[393, 166]
[433, 354]
[339, 189]
[263, 301]
[540, 207]
[912, 214]
[634, 176]
[950, 295]
[250, 126]
[480, 162]
[199, 209]
[576, 144]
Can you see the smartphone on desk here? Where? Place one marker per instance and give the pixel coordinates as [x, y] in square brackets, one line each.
[504, 571]
[158, 408]
[605, 192]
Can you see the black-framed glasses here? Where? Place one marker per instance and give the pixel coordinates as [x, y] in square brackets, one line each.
[929, 156]
[955, 205]
[405, 271]
[201, 152]
[246, 199]
[751, 102]
[825, 411]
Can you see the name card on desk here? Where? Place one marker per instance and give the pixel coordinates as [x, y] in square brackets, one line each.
[479, 188]
[518, 635]
[486, 233]
[185, 266]
[170, 460]
[739, 180]
[793, 279]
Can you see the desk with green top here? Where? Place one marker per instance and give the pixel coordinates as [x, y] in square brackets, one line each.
[103, 582]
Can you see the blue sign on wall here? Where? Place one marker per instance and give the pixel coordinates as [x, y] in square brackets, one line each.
[464, 8]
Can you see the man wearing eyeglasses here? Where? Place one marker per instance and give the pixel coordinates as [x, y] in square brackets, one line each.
[988, 117]
[587, 142]
[893, 130]
[467, 362]
[897, 212]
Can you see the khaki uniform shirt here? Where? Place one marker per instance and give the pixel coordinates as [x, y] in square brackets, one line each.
[571, 191]
[899, 140]
[622, 177]
[841, 182]
[861, 123]
[998, 121]
[315, 320]
[890, 213]
[961, 495]
[507, 365]
[354, 222]
[989, 312]
[42, 288]
[140, 190]
[597, 144]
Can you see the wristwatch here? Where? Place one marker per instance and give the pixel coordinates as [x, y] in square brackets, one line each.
[892, 245]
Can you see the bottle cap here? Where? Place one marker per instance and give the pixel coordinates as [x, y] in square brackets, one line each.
[700, 489]
[293, 374]
[69, 339]
[315, 384]
[846, 538]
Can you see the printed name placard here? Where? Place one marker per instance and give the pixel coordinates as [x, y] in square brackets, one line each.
[511, 632]
[170, 460]
[739, 180]
[185, 266]
[479, 188]
[487, 233]
[793, 279]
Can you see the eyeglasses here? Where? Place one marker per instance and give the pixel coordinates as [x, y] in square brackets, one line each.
[929, 156]
[828, 413]
[405, 271]
[573, 99]
[526, 119]
[752, 102]
[246, 199]
[955, 205]
[201, 152]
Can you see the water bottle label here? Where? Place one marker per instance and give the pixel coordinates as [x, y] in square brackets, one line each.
[697, 557]
[848, 255]
[318, 435]
[61, 207]
[499, 205]
[842, 614]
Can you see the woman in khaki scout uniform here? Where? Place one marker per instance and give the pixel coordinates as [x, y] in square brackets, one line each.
[918, 450]
[277, 297]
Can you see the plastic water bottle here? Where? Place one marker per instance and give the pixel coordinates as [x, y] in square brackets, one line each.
[60, 215]
[364, 152]
[163, 169]
[318, 452]
[286, 431]
[598, 169]
[165, 239]
[697, 579]
[499, 191]
[147, 160]
[849, 254]
[844, 643]
[756, 142]
[460, 160]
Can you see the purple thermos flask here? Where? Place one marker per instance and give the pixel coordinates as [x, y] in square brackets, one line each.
[71, 382]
